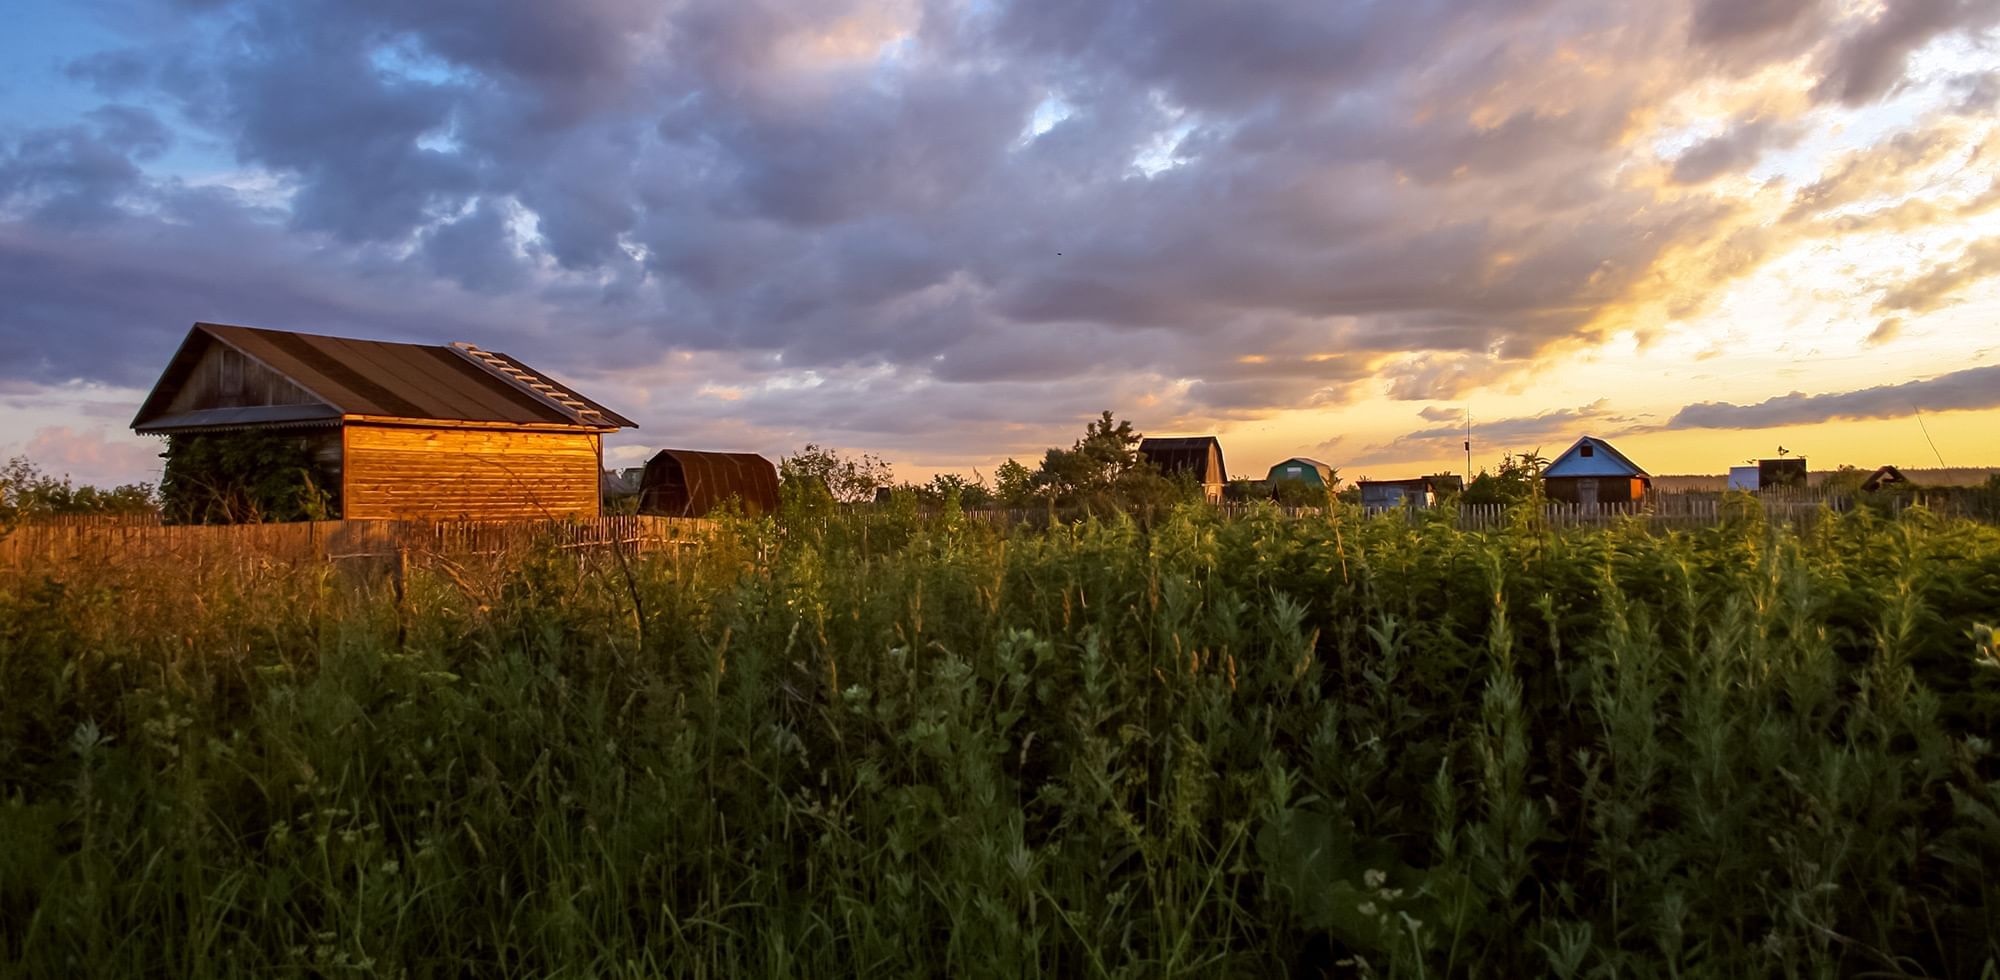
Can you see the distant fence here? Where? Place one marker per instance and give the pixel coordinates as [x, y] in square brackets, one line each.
[1703, 510]
[124, 537]
[338, 540]
[145, 518]
[1692, 509]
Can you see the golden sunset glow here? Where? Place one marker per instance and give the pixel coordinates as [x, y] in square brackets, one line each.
[951, 234]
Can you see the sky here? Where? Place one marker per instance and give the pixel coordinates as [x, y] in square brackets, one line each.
[952, 231]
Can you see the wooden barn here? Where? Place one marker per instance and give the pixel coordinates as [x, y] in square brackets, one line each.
[1592, 472]
[393, 431]
[686, 483]
[1199, 455]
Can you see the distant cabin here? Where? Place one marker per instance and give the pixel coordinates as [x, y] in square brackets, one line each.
[1593, 472]
[1197, 455]
[396, 431]
[1887, 476]
[1300, 469]
[1422, 491]
[688, 483]
[620, 484]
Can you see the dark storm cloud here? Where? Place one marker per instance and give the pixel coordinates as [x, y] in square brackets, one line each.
[111, 300]
[1733, 150]
[1973, 388]
[1870, 61]
[477, 250]
[962, 214]
[1977, 92]
[311, 103]
[1719, 21]
[79, 174]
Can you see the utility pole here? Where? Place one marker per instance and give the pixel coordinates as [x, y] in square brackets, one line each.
[1468, 446]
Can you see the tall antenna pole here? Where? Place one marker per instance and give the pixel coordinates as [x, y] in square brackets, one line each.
[1468, 445]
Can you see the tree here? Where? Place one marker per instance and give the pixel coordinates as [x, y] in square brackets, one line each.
[850, 479]
[1519, 479]
[1014, 484]
[1107, 453]
[969, 493]
[27, 493]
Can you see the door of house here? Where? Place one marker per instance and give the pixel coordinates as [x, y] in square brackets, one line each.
[1586, 493]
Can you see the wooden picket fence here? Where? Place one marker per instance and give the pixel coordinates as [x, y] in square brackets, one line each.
[114, 541]
[1669, 510]
[1687, 510]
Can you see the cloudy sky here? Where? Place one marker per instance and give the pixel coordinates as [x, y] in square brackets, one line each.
[949, 231]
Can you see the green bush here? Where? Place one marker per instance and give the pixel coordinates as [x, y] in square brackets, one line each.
[244, 477]
[880, 743]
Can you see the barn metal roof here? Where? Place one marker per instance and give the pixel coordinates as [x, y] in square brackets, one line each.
[245, 417]
[372, 377]
[1603, 461]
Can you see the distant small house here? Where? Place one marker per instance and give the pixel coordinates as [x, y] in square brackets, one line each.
[687, 483]
[1785, 472]
[1422, 491]
[393, 431]
[1593, 472]
[1300, 469]
[1200, 456]
[1743, 478]
[1887, 476]
[620, 484]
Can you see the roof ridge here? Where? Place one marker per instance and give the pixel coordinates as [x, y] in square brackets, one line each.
[536, 386]
[1608, 447]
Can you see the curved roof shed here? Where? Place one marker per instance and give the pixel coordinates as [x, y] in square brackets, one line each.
[690, 483]
[1303, 469]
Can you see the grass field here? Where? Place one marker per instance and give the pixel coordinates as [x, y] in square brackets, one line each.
[892, 746]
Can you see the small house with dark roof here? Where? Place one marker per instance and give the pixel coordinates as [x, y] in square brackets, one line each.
[1200, 456]
[1594, 472]
[395, 431]
[687, 483]
[1887, 476]
[1420, 491]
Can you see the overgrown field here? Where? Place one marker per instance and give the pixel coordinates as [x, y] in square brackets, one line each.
[886, 746]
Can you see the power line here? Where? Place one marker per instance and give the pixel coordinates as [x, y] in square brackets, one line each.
[1927, 436]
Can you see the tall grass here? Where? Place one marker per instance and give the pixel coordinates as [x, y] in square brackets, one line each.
[911, 746]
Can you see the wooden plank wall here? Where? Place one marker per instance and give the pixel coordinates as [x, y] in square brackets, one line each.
[480, 474]
[224, 378]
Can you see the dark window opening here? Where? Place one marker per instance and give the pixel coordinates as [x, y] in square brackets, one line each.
[1589, 450]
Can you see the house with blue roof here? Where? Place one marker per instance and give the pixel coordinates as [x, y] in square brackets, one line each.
[1594, 472]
